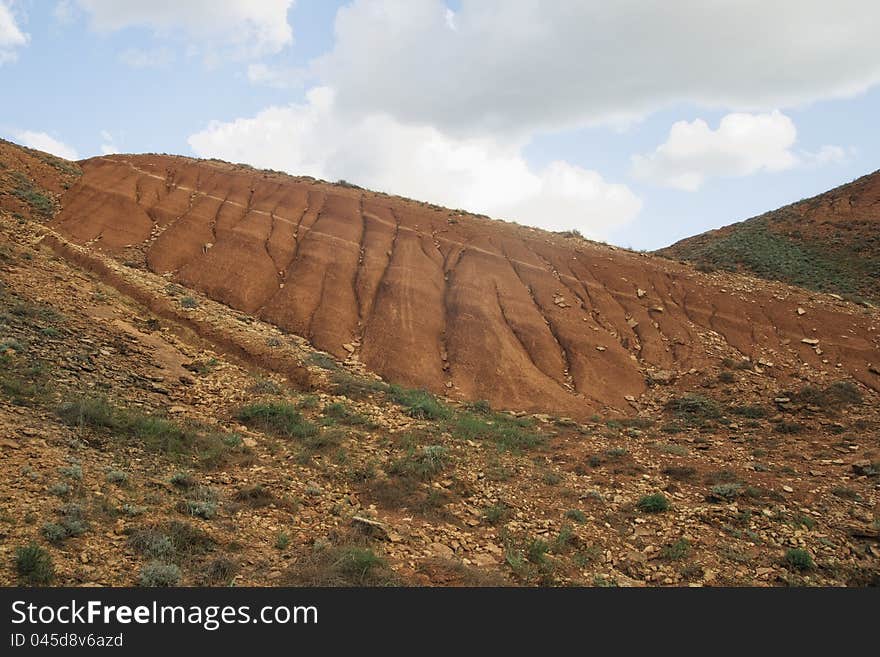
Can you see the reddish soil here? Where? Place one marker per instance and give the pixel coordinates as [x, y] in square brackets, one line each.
[436, 298]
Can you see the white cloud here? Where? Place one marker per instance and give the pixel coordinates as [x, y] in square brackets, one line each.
[742, 144]
[160, 57]
[44, 142]
[516, 67]
[826, 155]
[280, 78]
[108, 146]
[11, 36]
[377, 151]
[236, 28]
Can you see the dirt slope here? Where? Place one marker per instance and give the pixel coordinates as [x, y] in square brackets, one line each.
[151, 435]
[435, 298]
[830, 242]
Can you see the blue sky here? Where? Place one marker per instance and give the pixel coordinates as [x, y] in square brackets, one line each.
[604, 117]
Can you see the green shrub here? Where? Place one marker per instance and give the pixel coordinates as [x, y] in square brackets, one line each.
[339, 412]
[496, 513]
[536, 550]
[423, 463]
[61, 489]
[182, 480]
[725, 492]
[357, 562]
[72, 522]
[117, 477]
[692, 406]
[420, 404]
[676, 551]
[152, 432]
[157, 573]
[265, 387]
[576, 515]
[799, 559]
[506, 431]
[34, 565]
[201, 503]
[753, 412]
[72, 472]
[279, 418]
[654, 503]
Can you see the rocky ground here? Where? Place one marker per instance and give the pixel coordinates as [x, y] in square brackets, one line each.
[150, 436]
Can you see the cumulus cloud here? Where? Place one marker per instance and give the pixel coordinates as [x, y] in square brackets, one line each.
[377, 151]
[236, 28]
[517, 67]
[11, 36]
[742, 144]
[44, 142]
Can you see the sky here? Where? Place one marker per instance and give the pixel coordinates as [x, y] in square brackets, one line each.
[637, 123]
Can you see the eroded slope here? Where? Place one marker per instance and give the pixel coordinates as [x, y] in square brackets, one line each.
[454, 303]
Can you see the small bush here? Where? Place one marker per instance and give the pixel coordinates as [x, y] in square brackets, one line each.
[152, 543]
[676, 551]
[725, 492]
[420, 404]
[182, 480]
[799, 559]
[357, 562]
[423, 463]
[496, 514]
[265, 387]
[654, 503]
[221, 571]
[71, 523]
[61, 489]
[341, 413]
[189, 302]
[834, 396]
[355, 387]
[34, 565]
[753, 412]
[536, 551]
[576, 515]
[117, 477]
[508, 432]
[693, 406]
[279, 418]
[157, 573]
[255, 496]
[201, 503]
[72, 472]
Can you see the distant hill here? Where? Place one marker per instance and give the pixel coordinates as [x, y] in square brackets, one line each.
[829, 243]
